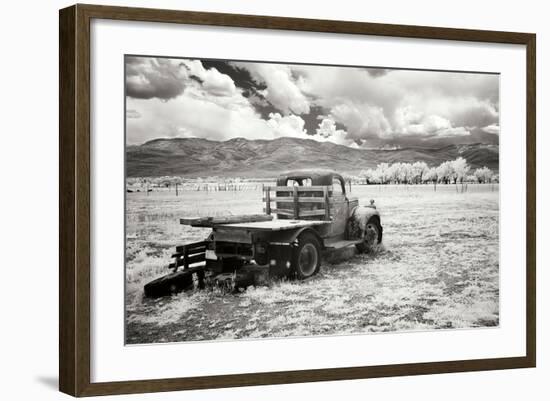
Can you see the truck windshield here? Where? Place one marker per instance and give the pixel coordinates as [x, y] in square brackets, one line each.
[300, 182]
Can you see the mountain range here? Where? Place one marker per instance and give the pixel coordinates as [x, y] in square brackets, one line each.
[197, 157]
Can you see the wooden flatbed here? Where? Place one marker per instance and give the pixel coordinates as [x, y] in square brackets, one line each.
[253, 222]
[275, 225]
[216, 221]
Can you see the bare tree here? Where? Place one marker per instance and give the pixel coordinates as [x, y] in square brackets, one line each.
[418, 169]
[483, 175]
[460, 171]
[431, 176]
[382, 172]
[445, 172]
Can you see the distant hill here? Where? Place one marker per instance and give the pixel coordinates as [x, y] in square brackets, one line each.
[196, 157]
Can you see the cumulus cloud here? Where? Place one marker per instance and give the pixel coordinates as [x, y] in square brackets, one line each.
[290, 125]
[476, 114]
[148, 78]
[331, 86]
[194, 116]
[428, 125]
[165, 79]
[212, 80]
[327, 131]
[492, 129]
[445, 85]
[345, 105]
[281, 90]
[188, 116]
[362, 121]
[394, 103]
[411, 122]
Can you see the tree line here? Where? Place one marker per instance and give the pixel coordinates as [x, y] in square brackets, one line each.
[456, 171]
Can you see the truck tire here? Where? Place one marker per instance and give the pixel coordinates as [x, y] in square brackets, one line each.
[170, 284]
[306, 258]
[372, 236]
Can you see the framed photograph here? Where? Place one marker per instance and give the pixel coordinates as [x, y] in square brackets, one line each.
[249, 200]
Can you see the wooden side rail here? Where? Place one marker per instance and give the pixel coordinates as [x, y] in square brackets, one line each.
[314, 188]
[187, 255]
[299, 202]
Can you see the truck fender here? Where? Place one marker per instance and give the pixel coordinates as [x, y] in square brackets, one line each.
[358, 219]
[289, 236]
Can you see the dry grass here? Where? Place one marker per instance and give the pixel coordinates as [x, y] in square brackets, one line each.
[438, 269]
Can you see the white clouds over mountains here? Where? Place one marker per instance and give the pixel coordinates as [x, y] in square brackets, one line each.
[347, 105]
[282, 90]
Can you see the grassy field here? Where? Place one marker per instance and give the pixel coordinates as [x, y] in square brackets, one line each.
[438, 269]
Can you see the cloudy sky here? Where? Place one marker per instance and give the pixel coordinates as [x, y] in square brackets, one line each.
[357, 107]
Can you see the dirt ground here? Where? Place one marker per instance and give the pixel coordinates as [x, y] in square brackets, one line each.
[438, 268]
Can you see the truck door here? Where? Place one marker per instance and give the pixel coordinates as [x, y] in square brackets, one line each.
[339, 207]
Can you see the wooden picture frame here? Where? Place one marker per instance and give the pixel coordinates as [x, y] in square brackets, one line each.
[74, 200]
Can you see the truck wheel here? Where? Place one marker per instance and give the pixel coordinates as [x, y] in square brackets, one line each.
[170, 284]
[306, 259]
[372, 236]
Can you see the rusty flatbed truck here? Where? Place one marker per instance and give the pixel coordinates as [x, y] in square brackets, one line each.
[306, 213]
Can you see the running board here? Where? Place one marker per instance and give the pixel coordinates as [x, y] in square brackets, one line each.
[341, 244]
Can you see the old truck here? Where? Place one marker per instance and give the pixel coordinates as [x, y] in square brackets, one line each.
[306, 214]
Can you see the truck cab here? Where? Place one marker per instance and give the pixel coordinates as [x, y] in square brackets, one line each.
[340, 203]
